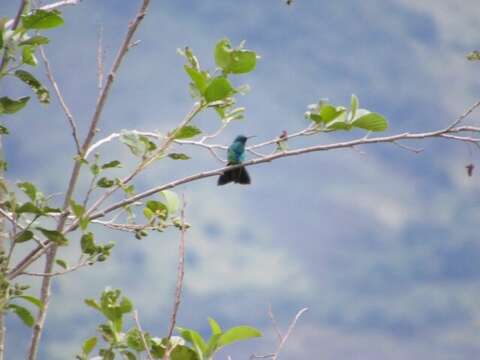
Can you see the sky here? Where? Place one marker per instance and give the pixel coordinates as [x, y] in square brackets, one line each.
[380, 244]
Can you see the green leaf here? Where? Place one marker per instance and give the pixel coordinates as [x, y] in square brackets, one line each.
[178, 156]
[42, 93]
[42, 19]
[93, 304]
[105, 182]
[236, 61]
[126, 305]
[77, 208]
[3, 20]
[129, 355]
[238, 333]
[324, 112]
[95, 169]
[370, 121]
[219, 88]
[31, 299]
[112, 164]
[54, 236]
[223, 50]
[353, 106]
[29, 189]
[3, 130]
[61, 263]
[48, 209]
[474, 56]
[135, 342]
[216, 329]
[107, 354]
[87, 244]
[181, 352]
[10, 106]
[35, 40]
[28, 208]
[158, 208]
[28, 55]
[199, 78]
[23, 313]
[89, 345]
[186, 132]
[134, 143]
[212, 345]
[24, 236]
[172, 200]
[195, 339]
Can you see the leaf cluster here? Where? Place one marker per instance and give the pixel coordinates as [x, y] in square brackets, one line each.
[129, 343]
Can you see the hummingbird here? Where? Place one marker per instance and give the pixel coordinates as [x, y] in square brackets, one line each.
[236, 155]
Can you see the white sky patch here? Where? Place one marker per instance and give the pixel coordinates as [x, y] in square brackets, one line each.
[378, 192]
[456, 20]
[226, 264]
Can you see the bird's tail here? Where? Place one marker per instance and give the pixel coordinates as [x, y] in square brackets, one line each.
[238, 175]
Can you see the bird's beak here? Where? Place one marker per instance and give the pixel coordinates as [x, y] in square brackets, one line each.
[251, 136]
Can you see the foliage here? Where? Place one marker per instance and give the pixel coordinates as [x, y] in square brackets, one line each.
[19, 47]
[130, 342]
[328, 117]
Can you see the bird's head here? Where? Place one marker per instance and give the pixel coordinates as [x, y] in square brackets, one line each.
[242, 138]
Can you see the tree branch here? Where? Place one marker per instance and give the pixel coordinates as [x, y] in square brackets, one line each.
[142, 336]
[282, 339]
[278, 155]
[180, 273]
[52, 249]
[61, 99]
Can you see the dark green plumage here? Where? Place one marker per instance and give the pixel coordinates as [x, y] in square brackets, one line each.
[236, 155]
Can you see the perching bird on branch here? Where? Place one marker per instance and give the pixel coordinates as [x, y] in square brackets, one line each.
[236, 155]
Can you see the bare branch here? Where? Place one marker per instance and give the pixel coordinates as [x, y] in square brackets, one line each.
[52, 6]
[282, 339]
[289, 331]
[445, 133]
[275, 156]
[463, 116]
[274, 323]
[100, 59]
[180, 272]
[408, 148]
[61, 99]
[142, 336]
[58, 273]
[114, 136]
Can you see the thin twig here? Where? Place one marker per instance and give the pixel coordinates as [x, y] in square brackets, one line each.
[142, 336]
[61, 272]
[180, 272]
[289, 331]
[408, 148]
[463, 116]
[274, 322]
[266, 356]
[61, 99]
[100, 58]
